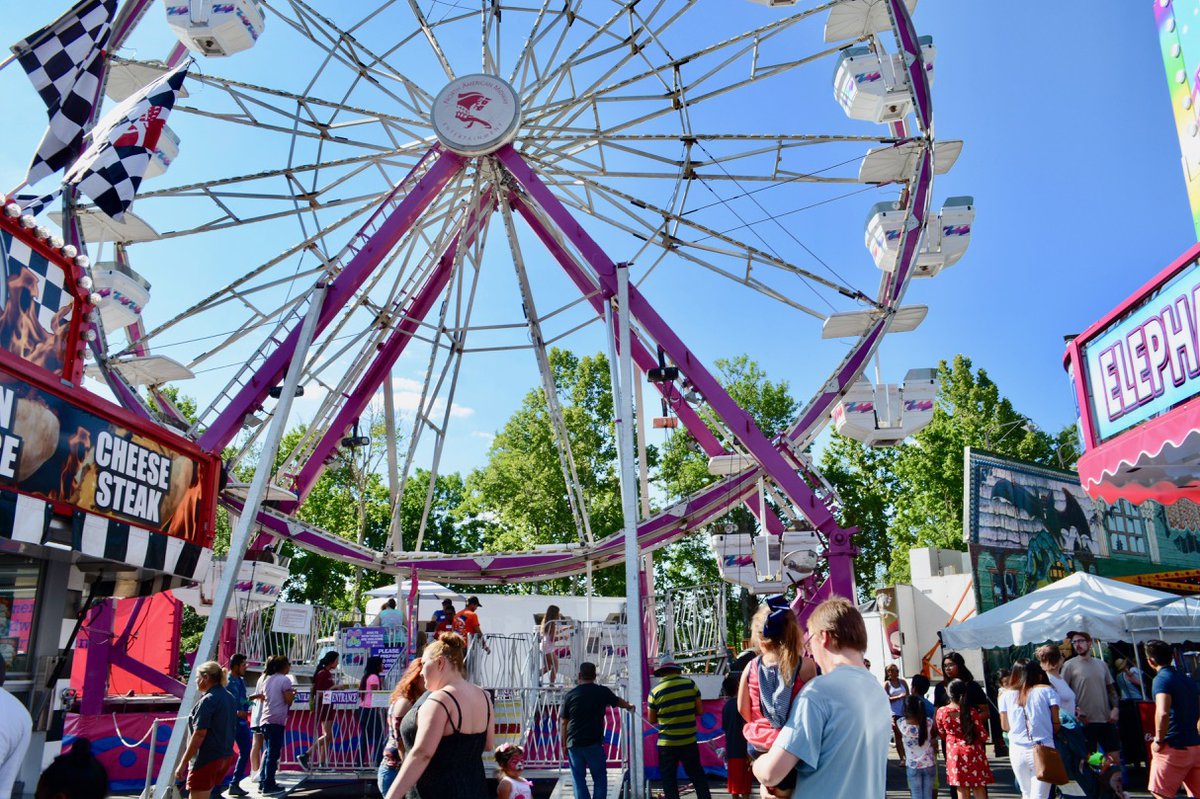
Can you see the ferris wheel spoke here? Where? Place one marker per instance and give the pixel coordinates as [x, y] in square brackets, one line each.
[580, 54]
[745, 252]
[355, 58]
[632, 49]
[433, 42]
[536, 33]
[576, 498]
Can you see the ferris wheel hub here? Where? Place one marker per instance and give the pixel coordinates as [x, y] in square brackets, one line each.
[476, 114]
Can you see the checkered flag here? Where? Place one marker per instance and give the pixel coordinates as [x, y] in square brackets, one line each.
[121, 146]
[34, 204]
[65, 62]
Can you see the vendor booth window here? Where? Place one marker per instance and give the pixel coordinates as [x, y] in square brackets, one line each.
[1126, 529]
[19, 579]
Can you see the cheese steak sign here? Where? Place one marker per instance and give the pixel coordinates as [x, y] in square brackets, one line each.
[78, 454]
[1146, 362]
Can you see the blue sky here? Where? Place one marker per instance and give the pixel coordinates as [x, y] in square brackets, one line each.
[1070, 154]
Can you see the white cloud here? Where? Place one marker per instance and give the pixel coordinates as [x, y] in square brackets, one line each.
[407, 395]
[486, 436]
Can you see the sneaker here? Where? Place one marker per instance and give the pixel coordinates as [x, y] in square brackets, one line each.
[303, 758]
[237, 790]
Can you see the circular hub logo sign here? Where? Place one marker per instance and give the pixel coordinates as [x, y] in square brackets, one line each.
[476, 114]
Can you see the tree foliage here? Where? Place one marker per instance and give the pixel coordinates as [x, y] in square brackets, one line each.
[519, 497]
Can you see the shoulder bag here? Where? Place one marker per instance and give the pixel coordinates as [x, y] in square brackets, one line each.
[1047, 763]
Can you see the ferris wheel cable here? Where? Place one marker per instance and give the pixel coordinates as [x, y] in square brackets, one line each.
[746, 250]
[576, 498]
[673, 245]
[201, 188]
[333, 402]
[781, 226]
[231, 290]
[782, 214]
[353, 61]
[576, 57]
[757, 35]
[355, 371]
[529, 42]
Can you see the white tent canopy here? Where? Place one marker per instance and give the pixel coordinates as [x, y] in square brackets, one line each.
[1081, 601]
[1174, 620]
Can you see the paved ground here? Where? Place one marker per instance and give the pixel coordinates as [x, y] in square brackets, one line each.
[1004, 788]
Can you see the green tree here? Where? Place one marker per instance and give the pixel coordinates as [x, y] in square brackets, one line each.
[519, 498]
[684, 467]
[866, 485]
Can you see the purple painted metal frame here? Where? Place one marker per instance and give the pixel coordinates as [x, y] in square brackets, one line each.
[341, 289]
[374, 376]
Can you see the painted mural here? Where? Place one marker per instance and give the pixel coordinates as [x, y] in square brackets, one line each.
[1027, 526]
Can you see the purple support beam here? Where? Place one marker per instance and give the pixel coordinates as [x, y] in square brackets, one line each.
[739, 423]
[381, 367]
[140, 670]
[341, 290]
[99, 632]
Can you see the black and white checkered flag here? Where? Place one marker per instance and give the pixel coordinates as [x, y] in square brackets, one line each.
[65, 62]
[121, 145]
[34, 204]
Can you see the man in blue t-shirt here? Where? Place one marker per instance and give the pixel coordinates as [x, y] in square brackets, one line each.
[840, 728]
[1176, 746]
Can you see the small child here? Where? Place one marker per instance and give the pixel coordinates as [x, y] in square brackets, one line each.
[737, 765]
[511, 760]
[918, 734]
[771, 681]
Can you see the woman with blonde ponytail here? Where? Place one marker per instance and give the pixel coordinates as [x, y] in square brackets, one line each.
[772, 680]
[446, 731]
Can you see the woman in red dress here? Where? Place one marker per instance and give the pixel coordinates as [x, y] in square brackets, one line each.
[966, 760]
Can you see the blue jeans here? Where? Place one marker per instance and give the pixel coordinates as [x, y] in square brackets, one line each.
[584, 759]
[920, 781]
[387, 775]
[272, 751]
[244, 740]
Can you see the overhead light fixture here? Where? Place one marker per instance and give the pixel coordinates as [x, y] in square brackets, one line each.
[354, 440]
[277, 391]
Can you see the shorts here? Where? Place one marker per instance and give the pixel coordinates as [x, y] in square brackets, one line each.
[210, 775]
[738, 781]
[1172, 767]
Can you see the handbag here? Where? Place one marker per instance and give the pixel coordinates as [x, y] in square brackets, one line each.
[1047, 762]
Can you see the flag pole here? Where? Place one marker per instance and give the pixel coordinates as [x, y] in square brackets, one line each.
[8, 61]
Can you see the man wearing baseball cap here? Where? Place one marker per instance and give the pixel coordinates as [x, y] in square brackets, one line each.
[581, 724]
[466, 624]
[443, 619]
[674, 707]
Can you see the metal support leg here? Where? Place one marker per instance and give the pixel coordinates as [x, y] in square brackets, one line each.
[241, 538]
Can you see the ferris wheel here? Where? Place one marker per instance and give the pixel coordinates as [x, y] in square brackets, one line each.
[459, 184]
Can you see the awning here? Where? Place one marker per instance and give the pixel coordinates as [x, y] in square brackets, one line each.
[1159, 459]
[1080, 601]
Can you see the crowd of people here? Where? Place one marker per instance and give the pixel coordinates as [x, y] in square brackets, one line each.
[803, 716]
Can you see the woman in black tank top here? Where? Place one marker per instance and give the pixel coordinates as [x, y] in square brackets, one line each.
[443, 742]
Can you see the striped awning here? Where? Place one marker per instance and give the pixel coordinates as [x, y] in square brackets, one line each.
[161, 561]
